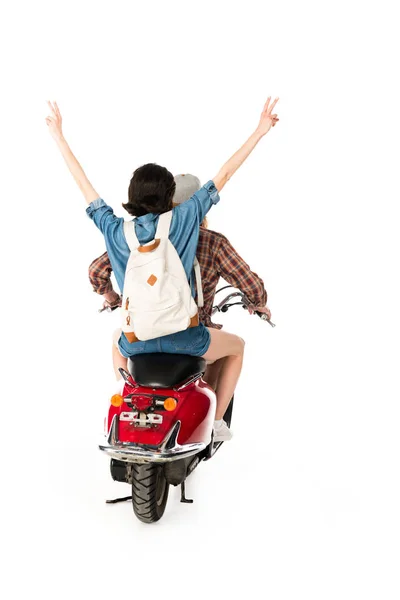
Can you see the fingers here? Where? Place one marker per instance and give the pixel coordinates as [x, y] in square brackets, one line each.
[274, 118]
[271, 108]
[51, 107]
[265, 109]
[264, 309]
[57, 110]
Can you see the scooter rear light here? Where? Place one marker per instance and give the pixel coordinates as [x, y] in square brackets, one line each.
[141, 402]
[170, 404]
[117, 400]
[150, 401]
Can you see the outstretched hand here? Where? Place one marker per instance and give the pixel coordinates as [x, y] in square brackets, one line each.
[54, 121]
[267, 119]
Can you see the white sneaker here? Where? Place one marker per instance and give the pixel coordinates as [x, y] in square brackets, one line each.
[222, 433]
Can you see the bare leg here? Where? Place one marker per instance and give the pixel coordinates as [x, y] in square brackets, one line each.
[231, 348]
[118, 361]
[213, 372]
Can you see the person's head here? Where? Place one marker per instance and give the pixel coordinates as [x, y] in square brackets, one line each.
[186, 186]
[151, 190]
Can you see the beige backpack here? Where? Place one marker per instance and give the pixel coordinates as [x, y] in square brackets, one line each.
[157, 298]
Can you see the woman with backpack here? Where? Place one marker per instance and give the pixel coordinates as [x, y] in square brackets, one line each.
[138, 248]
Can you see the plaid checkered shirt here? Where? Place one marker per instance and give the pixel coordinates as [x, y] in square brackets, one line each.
[217, 258]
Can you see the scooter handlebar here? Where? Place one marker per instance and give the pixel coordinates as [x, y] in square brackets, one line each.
[264, 317]
[244, 301]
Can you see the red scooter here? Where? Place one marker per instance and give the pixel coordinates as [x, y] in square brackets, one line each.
[161, 427]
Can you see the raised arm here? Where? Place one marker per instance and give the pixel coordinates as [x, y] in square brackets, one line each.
[231, 267]
[267, 120]
[54, 123]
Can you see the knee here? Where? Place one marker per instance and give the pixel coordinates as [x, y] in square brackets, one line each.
[240, 345]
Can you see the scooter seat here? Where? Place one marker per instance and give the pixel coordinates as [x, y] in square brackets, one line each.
[163, 370]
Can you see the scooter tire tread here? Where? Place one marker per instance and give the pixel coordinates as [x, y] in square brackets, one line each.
[144, 492]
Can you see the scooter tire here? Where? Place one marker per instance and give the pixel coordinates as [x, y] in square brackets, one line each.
[149, 492]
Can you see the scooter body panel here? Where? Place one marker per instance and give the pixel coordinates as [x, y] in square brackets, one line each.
[195, 410]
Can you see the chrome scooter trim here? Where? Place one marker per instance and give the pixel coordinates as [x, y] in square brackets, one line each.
[232, 295]
[244, 301]
[168, 450]
[188, 382]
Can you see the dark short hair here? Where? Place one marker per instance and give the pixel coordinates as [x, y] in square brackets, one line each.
[150, 191]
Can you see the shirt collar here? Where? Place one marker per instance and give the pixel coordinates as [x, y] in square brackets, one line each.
[146, 218]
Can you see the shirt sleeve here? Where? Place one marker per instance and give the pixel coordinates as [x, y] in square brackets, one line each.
[237, 272]
[100, 274]
[102, 215]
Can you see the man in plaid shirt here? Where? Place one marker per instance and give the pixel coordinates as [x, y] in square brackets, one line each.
[216, 256]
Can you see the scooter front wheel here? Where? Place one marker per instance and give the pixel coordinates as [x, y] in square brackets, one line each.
[149, 492]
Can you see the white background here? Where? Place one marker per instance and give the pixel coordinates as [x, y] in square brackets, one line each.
[304, 502]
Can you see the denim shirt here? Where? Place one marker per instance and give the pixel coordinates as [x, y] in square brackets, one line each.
[184, 231]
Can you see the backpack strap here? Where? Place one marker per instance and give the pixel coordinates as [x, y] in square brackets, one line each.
[199, 287]
[164, 224]
[130, 235]
[163, 227]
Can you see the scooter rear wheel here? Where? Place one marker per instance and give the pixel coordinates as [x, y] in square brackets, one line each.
[149, 492]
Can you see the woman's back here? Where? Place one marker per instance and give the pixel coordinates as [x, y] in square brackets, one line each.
[184, 232]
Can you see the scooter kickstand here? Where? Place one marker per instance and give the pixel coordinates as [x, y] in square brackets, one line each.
[119, 500]
[183, 497]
